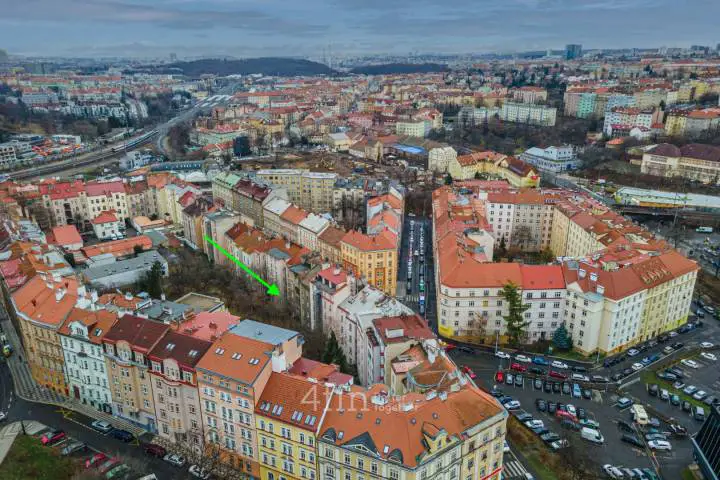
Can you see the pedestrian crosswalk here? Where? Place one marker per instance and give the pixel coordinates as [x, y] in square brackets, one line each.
[514, 470]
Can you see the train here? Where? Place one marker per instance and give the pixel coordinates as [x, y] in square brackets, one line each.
[133, 142]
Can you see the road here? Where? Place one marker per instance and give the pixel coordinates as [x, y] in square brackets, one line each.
[415, 272]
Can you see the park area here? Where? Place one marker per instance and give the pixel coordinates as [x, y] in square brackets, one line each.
[28, 458]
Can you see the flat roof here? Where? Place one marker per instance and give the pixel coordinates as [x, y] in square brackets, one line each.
[263, 332]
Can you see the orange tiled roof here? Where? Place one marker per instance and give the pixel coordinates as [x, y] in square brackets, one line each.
[384, 240]
[98, 322]
[231, 354]
[39, 302]
[66, 235]
[107, 216]
[285, 398]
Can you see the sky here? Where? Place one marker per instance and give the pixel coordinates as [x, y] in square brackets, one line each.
[243, 28]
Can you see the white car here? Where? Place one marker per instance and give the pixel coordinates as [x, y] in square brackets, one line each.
[173, 459]
[523, 358]
[570, 408]
[612, 472]
[673, 334]
[632, 352]
[708, 356]
[689, 363]
[535, 424]
[706, 345]
[637, 366]
[506, 447]
[660, 445]
[2, 417]
[512, 405]
[199, 472]
[559, 364]
[102, 426]
[500, 354]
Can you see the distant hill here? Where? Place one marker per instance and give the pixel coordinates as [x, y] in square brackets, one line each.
[391, 68]
[284, 67]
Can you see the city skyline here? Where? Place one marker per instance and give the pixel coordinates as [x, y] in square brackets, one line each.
[141, 28]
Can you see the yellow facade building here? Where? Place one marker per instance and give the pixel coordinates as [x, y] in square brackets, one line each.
[373, 257]
[42, 305]
[517, 172]
[288, 417]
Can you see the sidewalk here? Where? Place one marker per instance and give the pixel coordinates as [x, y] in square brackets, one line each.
[27, 389]
[12, 430]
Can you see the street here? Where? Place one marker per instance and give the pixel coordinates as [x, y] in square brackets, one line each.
[601, 405]
[416, 285]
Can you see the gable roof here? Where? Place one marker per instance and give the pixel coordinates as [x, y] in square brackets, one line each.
[141, 333]
[186, 350]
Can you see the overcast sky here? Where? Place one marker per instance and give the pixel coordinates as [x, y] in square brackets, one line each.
[246, 28]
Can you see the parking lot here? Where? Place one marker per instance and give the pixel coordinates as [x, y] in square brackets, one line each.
[601, 406]
[101, 452]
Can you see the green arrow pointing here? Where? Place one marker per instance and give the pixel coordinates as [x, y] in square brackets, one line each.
[272, 290]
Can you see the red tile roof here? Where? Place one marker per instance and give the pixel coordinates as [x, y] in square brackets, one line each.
[108, 216]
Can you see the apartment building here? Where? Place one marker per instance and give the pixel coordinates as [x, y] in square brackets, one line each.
[492, 164]
[389, 337]
[435, 436]
[310, 228]
[174, 385]
[353, 318]
[250, 196]
[127, 346]
[528, 113]
[523, 218]
[373, 258]
[622, 297]
[231, 378]
[42, 305]
[619, 118]
[693, 161]
[439, 159]
[287, 417]
[103, 196]
[81, 338]
[553, 159]
[530, 94]
[312, 191]
[413, 128]
[223, 185]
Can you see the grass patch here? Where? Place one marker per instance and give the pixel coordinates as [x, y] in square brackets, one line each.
[648, 378]
[575, 355]
[688, 475]
[27, 459]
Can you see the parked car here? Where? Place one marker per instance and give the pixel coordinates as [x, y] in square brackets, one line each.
[519, 380]
[612, 472]
[625, 426]
[655, 436]
[632, 440]
[468, 371]
[556, 374]
[108, 465]
[556, 387]
[579, 369]
[541, 404]
[101, 426]
[591, 435]
[523, 358]
[95, 460]
[599, 379]
[73, 447]
[664, 394]
[708, 356]
[538, 371]
[538, 384]
[587, 393]
[154, 450]
[547, 387]
[637, 366]
[52, 437]
[118, 471]
[689, 363]
[566, 388]
[577, 393]
[632, 352]
[686, 406]
[540, 361]
[667, 350]
[512, 405]
[670, 377]
[690, 389]
[700, 395]
[174, 459]
[559, 364]
[500, 354]
[624, 402]
[579, 377]
[122, 435]
[706, 345]
[518, 367]
[675, 399]
[660, 445]
[653, 390]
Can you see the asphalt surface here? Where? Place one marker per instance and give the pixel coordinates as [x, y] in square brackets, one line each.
[602, 405]
[420, 271]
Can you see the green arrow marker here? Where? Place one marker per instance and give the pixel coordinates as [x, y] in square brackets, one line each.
[272, 290]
